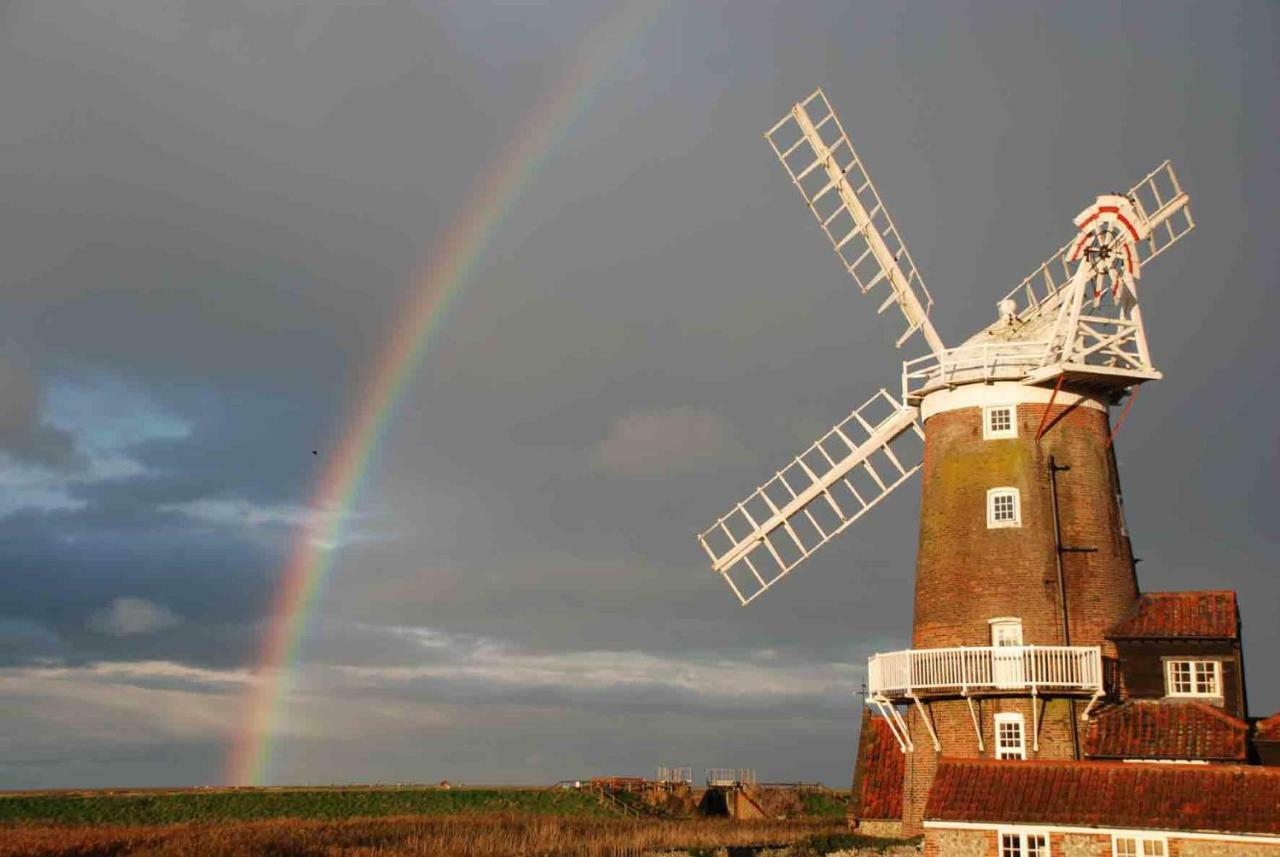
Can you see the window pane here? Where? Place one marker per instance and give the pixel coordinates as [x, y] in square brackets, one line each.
[1010, 845]
[1037, 846]
[1009, 740]
[1206, 678]
[1152, 848]
[1126, 846]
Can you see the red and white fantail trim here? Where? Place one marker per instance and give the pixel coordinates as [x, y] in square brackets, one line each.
[1109, 231]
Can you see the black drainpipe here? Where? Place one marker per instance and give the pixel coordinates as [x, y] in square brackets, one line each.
[1058, 550]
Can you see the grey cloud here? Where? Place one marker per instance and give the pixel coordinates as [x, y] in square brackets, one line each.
[125, 617]
[654, 444]
[24, 433]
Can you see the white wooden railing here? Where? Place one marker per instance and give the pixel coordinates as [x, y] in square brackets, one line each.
[986, 361]
[985, 668]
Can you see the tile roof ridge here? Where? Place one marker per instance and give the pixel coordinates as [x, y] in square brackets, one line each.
[1115, 764]
[1169, 592]
[1216, 712]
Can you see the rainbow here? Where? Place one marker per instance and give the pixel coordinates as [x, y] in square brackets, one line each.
[437, 283]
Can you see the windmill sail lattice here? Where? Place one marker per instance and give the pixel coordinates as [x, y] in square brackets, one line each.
[816, 152]
[833, 483]
[1166, 211]
[1054, 326]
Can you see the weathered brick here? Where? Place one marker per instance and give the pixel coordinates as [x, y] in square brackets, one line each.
[967, 574]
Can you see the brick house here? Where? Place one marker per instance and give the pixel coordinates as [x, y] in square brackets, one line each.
[995, 808]
[1168, 763]
[1031, 642]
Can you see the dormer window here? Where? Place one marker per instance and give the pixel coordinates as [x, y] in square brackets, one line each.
[1003, 508]
[1185, 677]
[998, 422]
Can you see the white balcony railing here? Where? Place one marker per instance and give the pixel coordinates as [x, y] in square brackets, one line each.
[966, 364]
[985, 669]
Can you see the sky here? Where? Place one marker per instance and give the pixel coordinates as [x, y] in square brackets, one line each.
[213, 215]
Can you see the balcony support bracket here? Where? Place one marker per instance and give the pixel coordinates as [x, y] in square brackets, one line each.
[973, 715]
[1084, 715]
[928, 723]
[896, 725]
[1035, 720]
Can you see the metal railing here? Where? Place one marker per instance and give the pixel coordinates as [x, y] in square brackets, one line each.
[985, 668]
[675, 774]
[731, 776]
[987, 361]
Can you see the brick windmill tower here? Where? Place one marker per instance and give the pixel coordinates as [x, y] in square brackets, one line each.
[1024, 561]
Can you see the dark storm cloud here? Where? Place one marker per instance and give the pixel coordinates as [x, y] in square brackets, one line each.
[213, 213]
[23, 433]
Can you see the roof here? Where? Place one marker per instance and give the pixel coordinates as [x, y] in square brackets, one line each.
[1267, 729]
[1211, 615]
[877, 781]
[1214, 798]
[1166, 729]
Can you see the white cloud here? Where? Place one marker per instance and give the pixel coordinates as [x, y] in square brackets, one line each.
[758, 673]
[245, 513]
[86, 709]
[125, 617]
[326, 529]
[648, 444]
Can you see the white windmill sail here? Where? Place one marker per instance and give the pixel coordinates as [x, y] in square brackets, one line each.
[816, 152]
[816, 497]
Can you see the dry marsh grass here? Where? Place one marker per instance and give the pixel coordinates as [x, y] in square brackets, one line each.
[493, 835]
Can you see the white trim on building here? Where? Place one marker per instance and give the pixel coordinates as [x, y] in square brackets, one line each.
[1263, 838]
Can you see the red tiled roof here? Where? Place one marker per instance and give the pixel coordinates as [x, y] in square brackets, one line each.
[1181, 614]
[1216, 798]
[878, 779]
[1268, 729]
[1166, 729]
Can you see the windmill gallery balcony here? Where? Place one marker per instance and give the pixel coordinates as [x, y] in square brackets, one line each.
[971, 670]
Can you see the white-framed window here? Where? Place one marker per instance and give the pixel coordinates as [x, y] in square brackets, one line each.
[1004, 509]
[1011, 742]
[999, 421]
[1016, 843]
[1006, 631]
[1138, 845]
[1191, 677]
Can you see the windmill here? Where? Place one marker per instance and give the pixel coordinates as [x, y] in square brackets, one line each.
[1024, 559]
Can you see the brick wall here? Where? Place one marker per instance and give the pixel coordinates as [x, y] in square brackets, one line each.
[942, 842]
[967, 573]
[954, 726]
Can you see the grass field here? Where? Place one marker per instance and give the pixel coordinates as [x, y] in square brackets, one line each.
[255, 804]
[474, 835]
[369, 821]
